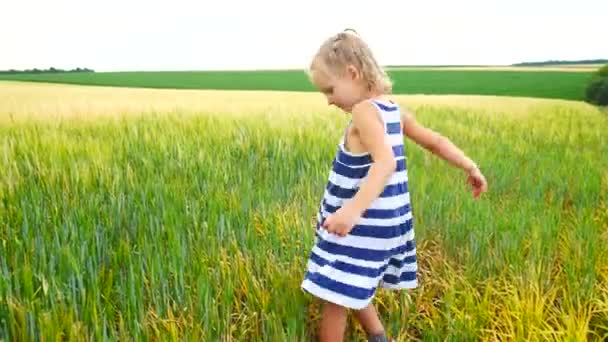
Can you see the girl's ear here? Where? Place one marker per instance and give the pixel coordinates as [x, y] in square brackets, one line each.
[353, 72]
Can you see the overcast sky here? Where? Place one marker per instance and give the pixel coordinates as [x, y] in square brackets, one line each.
[114, 35]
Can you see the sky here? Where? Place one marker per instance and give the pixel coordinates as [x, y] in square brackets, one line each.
[133, 35]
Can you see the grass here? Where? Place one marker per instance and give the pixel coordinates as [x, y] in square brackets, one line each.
[187, 215]
[543, 84]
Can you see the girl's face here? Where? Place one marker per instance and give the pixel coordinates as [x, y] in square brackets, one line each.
[341, 91]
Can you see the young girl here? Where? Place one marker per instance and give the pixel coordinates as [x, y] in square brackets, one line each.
[365, 236]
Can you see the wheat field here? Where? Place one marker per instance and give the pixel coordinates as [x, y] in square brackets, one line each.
[147, 214]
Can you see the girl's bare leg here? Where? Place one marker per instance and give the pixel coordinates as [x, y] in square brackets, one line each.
[333, 322]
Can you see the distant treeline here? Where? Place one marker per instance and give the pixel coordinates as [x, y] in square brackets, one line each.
[50, 70]
[586, 61]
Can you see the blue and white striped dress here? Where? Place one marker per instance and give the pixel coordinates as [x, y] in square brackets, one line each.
[380, 251]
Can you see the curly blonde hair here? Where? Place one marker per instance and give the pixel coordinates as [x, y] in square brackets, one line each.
[347, 48]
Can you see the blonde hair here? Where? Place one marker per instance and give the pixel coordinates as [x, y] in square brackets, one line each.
[347, 48]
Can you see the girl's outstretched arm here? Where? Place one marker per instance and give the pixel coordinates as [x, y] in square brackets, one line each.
[444, 148]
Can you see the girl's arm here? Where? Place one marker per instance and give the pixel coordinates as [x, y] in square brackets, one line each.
[370, 129]
[435, 142]
[444, 148]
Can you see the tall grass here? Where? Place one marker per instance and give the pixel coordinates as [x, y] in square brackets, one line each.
[169, 223]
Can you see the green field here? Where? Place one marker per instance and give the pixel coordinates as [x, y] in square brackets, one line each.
[142, 214]
[543, 84]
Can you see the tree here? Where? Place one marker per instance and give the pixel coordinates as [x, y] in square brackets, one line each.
[597, 89]
[603, 71]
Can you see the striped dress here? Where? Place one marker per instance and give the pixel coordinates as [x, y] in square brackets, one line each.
[380, 250]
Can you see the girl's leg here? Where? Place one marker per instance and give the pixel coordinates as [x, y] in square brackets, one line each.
[333, 322]
[369, 319]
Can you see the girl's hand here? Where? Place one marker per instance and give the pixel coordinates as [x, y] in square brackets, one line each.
[477, 181]
[341, 222]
